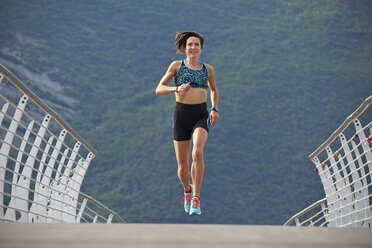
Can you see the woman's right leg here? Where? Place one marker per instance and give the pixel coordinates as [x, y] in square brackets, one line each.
[182, 149]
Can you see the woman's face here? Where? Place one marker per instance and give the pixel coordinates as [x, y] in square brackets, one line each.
[193, 47]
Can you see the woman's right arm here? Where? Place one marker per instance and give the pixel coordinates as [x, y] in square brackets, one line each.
[163, 87]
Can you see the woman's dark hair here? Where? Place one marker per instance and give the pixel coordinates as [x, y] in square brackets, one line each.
[181, 38]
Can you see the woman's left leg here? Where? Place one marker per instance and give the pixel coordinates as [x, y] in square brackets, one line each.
[200, 136]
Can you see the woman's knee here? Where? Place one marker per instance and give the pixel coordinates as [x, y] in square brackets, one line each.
[183, 169]
[197, 153]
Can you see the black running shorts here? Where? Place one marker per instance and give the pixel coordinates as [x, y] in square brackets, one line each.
[188, 117]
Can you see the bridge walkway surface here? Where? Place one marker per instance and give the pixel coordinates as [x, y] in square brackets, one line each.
[178, 235]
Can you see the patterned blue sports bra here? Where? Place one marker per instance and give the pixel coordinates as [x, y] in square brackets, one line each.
[198, 78]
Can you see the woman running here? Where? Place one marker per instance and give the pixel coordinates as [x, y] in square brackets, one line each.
[191, 117]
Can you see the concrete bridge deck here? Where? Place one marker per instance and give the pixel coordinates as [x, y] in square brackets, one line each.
[178, 235]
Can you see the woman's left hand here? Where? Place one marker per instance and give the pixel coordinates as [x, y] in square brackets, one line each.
[214, 117]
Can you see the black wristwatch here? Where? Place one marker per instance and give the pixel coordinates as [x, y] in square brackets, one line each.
[215, 109]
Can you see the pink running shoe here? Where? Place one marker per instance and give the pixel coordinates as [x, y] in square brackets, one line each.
[195, 206]
[186, 200]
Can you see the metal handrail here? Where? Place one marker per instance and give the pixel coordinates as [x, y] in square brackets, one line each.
[312, 206]
[102, 206]
[43, 106]
[343, 126]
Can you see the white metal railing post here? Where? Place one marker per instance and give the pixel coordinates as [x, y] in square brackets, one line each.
[95, 219]
[57, 194]
[341, 189]
[2, 159]
[329, 187]
[27, 171]
[77, 178]
[359, 191]
[69, 214]
[5, 148]
[109, 219]
[10, 213]
[81, 210]
[368, 155]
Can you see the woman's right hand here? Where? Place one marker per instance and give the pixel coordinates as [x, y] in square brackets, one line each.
[183, 87]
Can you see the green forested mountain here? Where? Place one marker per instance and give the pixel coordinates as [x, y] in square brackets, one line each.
[288, 74]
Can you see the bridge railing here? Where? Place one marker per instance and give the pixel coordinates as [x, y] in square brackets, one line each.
[345, 167]
[92, 211]
[313, 215]
[43, 161]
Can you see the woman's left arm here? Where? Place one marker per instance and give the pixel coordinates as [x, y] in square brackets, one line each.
[214, 94]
